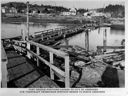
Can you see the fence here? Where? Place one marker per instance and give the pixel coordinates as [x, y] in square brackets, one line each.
[53, 68]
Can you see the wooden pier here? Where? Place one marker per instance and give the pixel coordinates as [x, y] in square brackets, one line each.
[61, 33]
[21, 73]
[61, 63]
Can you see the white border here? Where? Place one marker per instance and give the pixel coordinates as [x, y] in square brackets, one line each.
[108, 91]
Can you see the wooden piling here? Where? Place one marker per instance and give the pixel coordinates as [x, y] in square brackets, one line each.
[27, 20]
[23, 34]
[105, 40]
[87, 40]
[38, 53]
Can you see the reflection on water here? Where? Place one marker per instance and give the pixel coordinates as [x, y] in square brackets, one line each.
[114, 37]
[13, 30]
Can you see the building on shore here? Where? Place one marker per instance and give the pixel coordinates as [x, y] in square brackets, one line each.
[3, 10]
[73, 11]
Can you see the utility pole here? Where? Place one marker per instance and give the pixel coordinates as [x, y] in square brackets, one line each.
[27, 20]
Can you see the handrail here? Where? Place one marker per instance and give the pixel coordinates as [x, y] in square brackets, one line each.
[57, 52]
[48, 63]
[44, 31]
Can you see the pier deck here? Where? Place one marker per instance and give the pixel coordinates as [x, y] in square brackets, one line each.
[22, 74]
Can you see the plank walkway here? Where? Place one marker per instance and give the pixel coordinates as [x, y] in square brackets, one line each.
[22, 74]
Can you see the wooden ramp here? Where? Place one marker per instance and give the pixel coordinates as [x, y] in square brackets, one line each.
[22, 74]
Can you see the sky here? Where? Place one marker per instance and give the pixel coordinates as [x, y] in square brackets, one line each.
[89, 4]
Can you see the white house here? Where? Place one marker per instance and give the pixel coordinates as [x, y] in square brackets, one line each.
[65, 13]
[3, 10]
[73, 11]
[13, 10]
[94, 14]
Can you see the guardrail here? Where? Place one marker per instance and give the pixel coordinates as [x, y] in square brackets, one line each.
[53, 68]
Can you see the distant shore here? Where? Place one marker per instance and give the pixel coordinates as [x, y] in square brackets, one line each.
[43, 19]
[57, 19]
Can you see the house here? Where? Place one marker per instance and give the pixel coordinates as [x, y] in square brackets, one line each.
[108, 14]
[3, 10]
[94, 14]
[73, 11]
[65, 13]
[12, 10]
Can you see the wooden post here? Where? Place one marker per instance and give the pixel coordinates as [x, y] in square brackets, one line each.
[67, 78]
[28, 48]
[42, 36]
[4, 71]
[23, 34]
[38, 53]
[27, 20]
[87, 40]
[99, 30]
[105, 40]
[51, 71]
[66, 42]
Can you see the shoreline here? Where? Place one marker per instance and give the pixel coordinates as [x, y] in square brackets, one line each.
[57, 19]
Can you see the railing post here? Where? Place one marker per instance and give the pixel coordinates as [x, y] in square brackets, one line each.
[67, 79]
[51, 61]
[42, 36]
[28, 48]
[38, 53]
[4, 71]
[23, 34]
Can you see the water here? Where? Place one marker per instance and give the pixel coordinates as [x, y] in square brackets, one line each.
[114, 37]
[13, 30]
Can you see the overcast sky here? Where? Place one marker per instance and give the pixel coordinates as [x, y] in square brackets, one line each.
[90, 4]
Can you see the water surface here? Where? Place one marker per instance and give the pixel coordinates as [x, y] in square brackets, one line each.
[114, 37]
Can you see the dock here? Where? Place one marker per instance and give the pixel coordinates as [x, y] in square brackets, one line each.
[53, 35]
[23, 74]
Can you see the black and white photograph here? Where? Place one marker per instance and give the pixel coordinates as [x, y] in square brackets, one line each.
[63, 44]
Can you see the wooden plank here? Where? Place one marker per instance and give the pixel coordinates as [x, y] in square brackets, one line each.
[104, 55]
[111, 47]
[16, 41]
